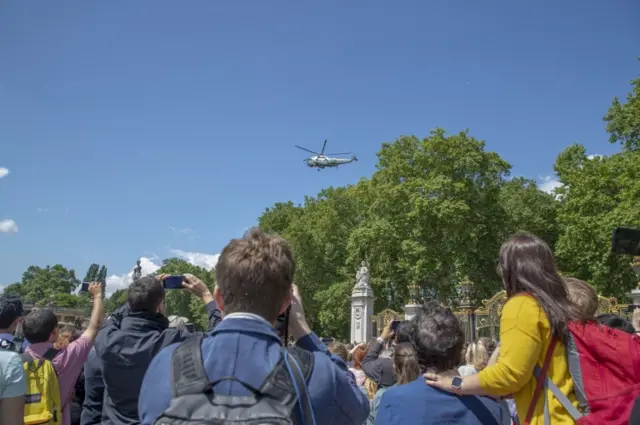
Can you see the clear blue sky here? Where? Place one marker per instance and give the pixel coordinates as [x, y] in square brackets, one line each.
[119, 120]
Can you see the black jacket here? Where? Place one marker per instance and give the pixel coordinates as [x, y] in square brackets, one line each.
[378, 369]
[126, 345]
[93, 391]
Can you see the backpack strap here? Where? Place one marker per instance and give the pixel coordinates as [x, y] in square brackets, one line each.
[187, 368]
[50, 354]
[548, 384]
[541, 382]
[300, 385]
[279, 384]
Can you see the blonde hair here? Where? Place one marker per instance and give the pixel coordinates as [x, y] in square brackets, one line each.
[339, 350]
[478, 353]
[582, 295]
[371, 387]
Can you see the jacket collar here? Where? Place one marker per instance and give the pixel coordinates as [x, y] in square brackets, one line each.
[144, 321]
[246, 324]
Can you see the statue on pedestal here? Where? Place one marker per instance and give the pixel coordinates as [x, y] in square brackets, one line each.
[362, 277]
[137, 271]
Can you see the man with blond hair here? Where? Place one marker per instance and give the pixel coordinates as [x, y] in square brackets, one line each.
[244, 357]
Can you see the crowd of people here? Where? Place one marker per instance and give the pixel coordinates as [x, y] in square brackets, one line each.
[556, 361]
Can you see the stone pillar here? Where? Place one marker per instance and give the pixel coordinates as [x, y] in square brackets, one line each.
[413, 306]
[361, 312]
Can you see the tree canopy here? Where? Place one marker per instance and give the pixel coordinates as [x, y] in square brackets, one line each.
[437, 209]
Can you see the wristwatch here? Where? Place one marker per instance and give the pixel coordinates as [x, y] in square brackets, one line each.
[456, 383]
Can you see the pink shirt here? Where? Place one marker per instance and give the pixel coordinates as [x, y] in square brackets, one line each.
[68, 364]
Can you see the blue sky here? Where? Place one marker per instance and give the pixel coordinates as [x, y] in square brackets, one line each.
[124, 123]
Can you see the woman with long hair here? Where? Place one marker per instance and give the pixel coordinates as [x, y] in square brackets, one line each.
[357, 355]
[534, 319]
[407, 368]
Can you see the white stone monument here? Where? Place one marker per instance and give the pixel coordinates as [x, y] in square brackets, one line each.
[362, 307]
[413, 306]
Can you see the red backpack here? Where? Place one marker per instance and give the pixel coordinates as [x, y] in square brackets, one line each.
[605, 367]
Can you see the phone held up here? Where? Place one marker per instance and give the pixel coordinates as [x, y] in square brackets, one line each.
[395, 324]
[173, 282]
[84, 287]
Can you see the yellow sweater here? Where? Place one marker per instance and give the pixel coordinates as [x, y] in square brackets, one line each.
[524, 339]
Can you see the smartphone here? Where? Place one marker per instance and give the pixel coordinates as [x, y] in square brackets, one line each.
[395, 324]
[190, 327]
[84, 287]
[631, 308]
[173, 282]
[626, 240]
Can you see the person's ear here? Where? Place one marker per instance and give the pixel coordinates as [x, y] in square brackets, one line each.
[286, 303]
[217, 296]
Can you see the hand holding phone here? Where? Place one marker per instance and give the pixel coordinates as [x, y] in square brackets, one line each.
[173, 282]
[84, 287]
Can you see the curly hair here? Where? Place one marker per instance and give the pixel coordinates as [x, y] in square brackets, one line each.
[10, 310]
[438, 338]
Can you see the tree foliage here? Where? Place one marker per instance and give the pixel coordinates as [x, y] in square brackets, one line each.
[46, 285]
[436, 210]
[623, 120]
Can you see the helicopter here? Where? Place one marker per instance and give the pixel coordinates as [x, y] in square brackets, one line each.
[322, 160]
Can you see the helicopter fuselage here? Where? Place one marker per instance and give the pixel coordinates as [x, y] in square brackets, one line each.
[321, 161]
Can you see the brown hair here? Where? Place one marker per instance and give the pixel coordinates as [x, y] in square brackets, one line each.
[254, 274]
[359, 354]
[339, 350]
[527, 265]
[582, 295]
[405, 361]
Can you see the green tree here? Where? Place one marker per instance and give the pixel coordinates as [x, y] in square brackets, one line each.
[530, 209]
[182, 303]
[435, 216]
[278, 218]
[42, 285]
[623, 120]
[117, 299]
[102, 275]
[598, 195]
[92, 273]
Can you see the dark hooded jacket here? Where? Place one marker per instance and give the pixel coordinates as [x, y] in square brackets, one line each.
[125, 345]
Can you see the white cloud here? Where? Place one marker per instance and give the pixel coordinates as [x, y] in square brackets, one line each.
[594, 156]
[115, 282]
[3, 172]
[206, 261]
[8, 226]
[548, 184]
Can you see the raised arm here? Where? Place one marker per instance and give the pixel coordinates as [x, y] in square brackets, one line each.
[199, 289]
[97, 313]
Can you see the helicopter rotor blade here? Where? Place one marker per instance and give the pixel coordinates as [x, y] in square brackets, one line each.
[305, 149]
[323, 146]
[342, 153]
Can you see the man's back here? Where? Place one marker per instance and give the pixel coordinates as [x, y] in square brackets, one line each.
[126, 345]
[417, 403]
[248, 349]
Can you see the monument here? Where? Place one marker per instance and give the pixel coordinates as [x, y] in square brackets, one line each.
[362, 306]
[413, 306]
[137, 271]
